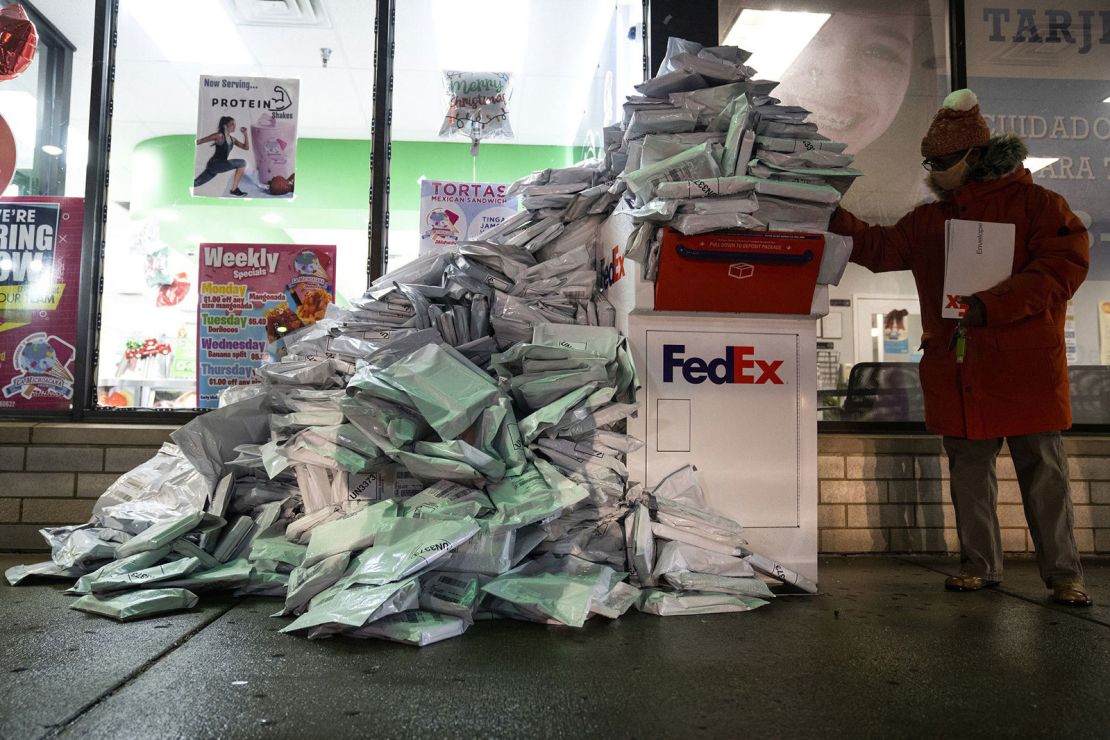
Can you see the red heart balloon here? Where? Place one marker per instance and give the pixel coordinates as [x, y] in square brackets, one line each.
[18, 41]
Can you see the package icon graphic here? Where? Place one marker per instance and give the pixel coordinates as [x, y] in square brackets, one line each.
[741, 270]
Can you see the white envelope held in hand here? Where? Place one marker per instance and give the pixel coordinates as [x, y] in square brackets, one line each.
[978, 256]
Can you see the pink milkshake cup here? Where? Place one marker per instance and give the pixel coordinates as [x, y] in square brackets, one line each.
[275, 148]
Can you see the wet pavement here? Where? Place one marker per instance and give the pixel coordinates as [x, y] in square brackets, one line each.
[882, 651]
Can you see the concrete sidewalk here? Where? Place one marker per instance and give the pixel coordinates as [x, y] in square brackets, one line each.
[883, 651]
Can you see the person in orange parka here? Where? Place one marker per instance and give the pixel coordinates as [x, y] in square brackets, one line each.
[1005, 376]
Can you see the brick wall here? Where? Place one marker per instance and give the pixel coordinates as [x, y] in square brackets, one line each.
[51, 474]
[877, 493]
[890, 494]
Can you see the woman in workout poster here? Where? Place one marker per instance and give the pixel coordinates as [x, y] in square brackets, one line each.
[246, 137]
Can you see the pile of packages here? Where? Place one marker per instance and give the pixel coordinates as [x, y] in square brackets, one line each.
[705, 147]
[451, 447]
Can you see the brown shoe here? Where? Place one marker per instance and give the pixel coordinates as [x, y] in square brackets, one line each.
[1071, 592]
[964, 582]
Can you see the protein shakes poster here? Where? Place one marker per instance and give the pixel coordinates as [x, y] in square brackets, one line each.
[251, 296]
[451, 212]
[246, 137]
[40, 267]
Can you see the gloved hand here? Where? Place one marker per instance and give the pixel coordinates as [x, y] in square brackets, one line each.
[976, 314]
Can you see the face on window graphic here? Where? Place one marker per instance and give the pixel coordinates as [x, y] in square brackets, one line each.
[853, 76]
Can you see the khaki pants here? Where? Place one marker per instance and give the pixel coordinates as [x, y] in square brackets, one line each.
[1042, 472]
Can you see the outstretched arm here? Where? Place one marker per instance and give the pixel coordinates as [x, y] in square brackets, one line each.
[208, 139]
[878, 248]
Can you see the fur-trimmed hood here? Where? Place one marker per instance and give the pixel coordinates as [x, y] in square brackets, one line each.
[1002, 155]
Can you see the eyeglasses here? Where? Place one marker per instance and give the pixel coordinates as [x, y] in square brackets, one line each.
[939, 164]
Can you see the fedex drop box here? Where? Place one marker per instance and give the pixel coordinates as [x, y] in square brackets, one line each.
[735, 396]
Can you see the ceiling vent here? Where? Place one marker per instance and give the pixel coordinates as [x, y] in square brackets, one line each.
[279, 13]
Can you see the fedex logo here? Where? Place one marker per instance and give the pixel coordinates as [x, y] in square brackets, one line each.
[610, 271]
[739, 365]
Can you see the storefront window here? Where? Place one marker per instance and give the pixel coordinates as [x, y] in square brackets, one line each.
[558, 70]
[1042, 71]
[44, 124]
[179, 179]
[873, 74]
[47, 105]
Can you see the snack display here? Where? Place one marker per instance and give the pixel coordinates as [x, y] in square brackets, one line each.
[280, 320]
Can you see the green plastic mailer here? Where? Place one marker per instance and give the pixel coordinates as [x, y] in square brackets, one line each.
[264, 583]
[812, 171]
[687, 581]
[622, 597]
[517, 359]
[352, 438]
[606, 580]
[539, 493]
[582, 361]
[305, 583]
[47, 569]
[460, 451]
[666, 604]
[351, 533]
[456, 594]
[274, 461]
[551, 414]
[448, 392]
[366, 382]
[187, 549]
[354, 605]
[377, 418]
[628, 381]
[234, 539]
[276, 547]
[160, 535]
[235, 573]
[775, 569]
[427, 467]
[487, 427]
[584, 412]
[137, 604]
[739, 112]
[509, 444]
[595, 419]
[536, 391]
[447, 500]
[641, 544]
[563, 597]
[489, 552]
[312, 447]
[600, 341]
[139, 578]
[708, 524]
[678, 556]
[129, 564]
[406, 546]
[416, 627]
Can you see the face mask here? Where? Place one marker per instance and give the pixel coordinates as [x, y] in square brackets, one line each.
[953, 177]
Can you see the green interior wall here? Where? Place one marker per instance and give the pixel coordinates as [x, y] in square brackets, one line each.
[333, 185]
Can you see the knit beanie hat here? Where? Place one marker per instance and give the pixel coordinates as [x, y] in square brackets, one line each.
[957, 126]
